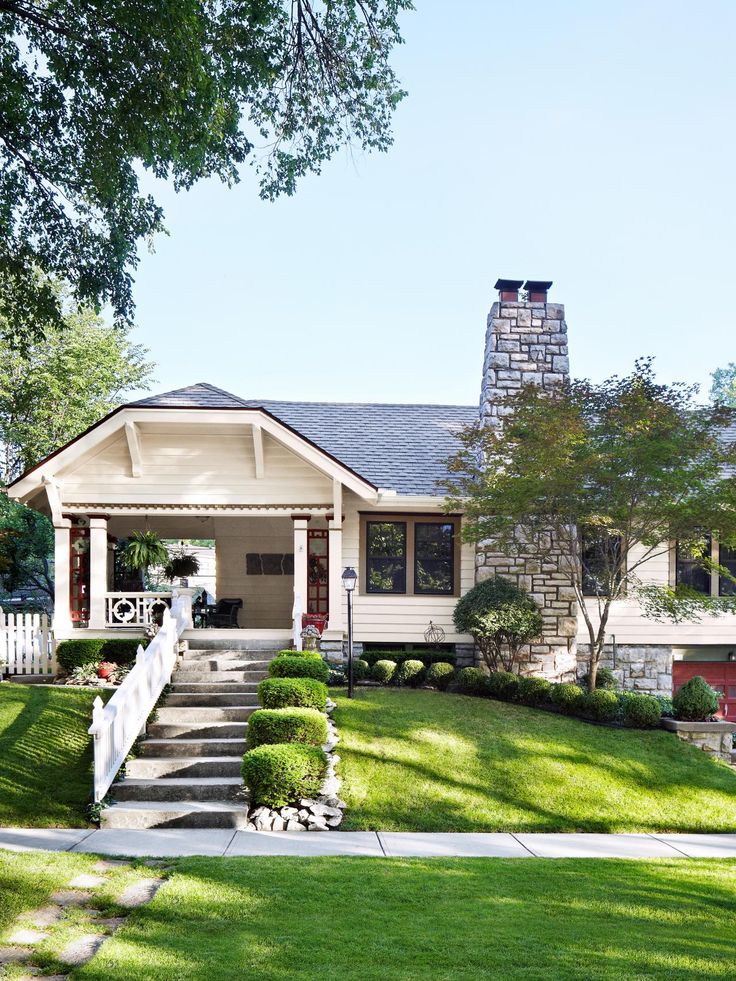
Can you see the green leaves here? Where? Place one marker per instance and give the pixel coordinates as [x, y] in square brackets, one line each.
[143, 550]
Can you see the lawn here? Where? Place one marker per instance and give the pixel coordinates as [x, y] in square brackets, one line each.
[286, 919]
[45, 755]
[426, 761]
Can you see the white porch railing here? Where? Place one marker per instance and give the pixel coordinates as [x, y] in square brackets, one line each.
[296, 615]
[135, 609]
[117, 725]
[27, 643]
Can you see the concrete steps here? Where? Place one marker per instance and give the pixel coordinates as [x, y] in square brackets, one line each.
[188, 772]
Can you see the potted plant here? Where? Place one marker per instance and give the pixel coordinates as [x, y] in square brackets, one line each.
[143, 550]
[180, 565]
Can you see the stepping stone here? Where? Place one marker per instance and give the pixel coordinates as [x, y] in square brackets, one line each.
[14, 955]
[112, 923]
[45, 917]
[109, 865]
[138, 893]
[82, 949]
[86, 881]
[26, 936]
[70, 897]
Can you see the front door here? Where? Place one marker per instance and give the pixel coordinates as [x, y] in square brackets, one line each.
[318, 579]
[720, 675]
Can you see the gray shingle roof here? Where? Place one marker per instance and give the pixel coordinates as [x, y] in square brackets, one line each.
[398, 447]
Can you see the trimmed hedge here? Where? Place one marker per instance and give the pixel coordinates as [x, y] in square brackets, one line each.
[361, 669]
[567, 697]
[77, 653]
[440, 674]
[639, 711]
[602, 705]
[410, 673]
[383, 671]
[398, 657]
[287, 725]
[503, 685]
[312, 654]
[695, 701]
[533, 691]
[472, 681]
[282, 773]
[293, 692]
[299, 667]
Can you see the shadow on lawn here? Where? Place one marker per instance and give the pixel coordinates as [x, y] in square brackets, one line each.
[527, 770]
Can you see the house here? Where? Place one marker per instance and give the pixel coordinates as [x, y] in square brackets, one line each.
[294, 492]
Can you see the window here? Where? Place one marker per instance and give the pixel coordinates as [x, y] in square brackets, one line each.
[727, 558]
[600, 555]
[386, 557]
[434, 549]
[688, 570]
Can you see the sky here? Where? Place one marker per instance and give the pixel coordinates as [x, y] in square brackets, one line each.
[587, 143]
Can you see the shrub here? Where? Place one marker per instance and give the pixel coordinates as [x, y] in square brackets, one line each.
[567, 697]
[601, 705]
[639, 711]
[299, 667]
[440, 674]
[425, 656]
[312, 654]
[410, 673]
[604, 678]
[383, 671]
[501, 618]
[472, 681]
[361, 669]
[533, 691]
[695, 701]
[77, 653]
[287, 725]
[280, 774]
[292, 692]
[503, 685]
[665, 705]
[337, 677]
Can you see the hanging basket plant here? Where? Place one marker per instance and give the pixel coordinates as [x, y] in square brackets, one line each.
[180, 565]
[143, 550]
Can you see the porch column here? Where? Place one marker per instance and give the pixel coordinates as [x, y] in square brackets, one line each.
[301, 523]
[62, 562]
[334, 538]
[97, 572]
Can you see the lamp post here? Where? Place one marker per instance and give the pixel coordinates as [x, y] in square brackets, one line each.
[349, 579]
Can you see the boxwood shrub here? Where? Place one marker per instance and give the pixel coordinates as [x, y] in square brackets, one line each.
[410, 673]
[287, 725]
[299, 667]
[296, 692]
[567, 697]
[312, 654]
[440, 674]
[280, 774]
[89, 650]
[427, 657]
[695, 701]
[639, 711]
[472, 681]
[533, 691]
[383, 671]
[361, 669]
[602, 705]
[503, 685]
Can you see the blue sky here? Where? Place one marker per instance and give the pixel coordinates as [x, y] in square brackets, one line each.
[587, 143]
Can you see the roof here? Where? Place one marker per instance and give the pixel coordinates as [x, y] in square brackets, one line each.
[395, 446]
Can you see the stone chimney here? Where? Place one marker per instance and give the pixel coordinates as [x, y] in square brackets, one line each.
[526, 342]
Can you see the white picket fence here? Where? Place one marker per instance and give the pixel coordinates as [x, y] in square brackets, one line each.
[117, 725]
[27, 644]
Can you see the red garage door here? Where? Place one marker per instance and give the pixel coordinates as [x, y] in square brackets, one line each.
[720, 675]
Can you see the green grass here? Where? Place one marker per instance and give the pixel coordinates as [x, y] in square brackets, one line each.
[45, 755]
[426, 761]
[285, 919]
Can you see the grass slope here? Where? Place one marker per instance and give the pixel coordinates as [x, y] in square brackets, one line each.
[45, 755]
[426, 761]
[286, 919]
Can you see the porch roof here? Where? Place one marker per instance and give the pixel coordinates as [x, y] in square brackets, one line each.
[399, 447]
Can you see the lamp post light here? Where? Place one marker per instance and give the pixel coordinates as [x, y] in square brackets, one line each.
[349, 579]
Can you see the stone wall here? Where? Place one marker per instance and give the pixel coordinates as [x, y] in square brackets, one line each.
[526, 342]
[636, 667]
[715, 738]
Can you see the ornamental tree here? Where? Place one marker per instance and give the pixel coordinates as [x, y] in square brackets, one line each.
[603, 478]
[94, 94]
[501, 618]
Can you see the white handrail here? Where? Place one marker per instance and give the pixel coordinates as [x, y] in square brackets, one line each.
[117, 725]
[296, 614]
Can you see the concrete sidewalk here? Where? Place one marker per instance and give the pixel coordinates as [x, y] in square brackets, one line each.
[176, 842]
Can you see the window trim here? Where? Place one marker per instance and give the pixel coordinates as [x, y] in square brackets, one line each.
[453, 575]
[411, 519]
[387, 592]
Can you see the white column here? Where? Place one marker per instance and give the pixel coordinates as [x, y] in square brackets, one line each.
[62, 561]
[334, 539]
[97, 572]
[300, 560]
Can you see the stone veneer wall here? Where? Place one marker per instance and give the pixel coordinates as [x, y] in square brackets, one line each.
[638, 667]
[527, 342]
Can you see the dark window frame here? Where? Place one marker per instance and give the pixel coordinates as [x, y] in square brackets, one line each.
[689, 565]
[369, 558]
[415, 558]
[412, 519]
[725, 586]
[586, 559]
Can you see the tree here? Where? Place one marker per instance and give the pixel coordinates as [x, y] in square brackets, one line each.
[59, 384]
[26, 546]
[723, 388]
[92, 94]
[603, 477]
[501, 618]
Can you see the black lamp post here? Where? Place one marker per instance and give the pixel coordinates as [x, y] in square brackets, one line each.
[349, 579]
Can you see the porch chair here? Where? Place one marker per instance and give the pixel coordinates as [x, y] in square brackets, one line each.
[226, 613]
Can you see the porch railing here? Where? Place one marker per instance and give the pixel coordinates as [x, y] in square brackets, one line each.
[27, 643]
[117, 725]
[135, 609]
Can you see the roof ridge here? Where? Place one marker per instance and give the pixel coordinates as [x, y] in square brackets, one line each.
[369, 405]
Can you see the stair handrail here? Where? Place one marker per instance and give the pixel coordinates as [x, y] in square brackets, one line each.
[117, 725]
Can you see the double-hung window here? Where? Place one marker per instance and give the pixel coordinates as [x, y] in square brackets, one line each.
[411, 555]
[689, 570]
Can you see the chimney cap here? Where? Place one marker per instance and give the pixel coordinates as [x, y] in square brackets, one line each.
[508, 284]
[537, 285]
